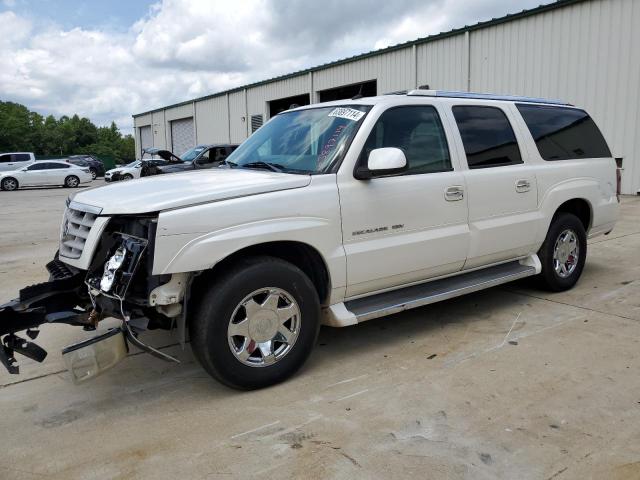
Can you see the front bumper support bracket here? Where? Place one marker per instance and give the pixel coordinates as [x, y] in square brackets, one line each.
[55, 301]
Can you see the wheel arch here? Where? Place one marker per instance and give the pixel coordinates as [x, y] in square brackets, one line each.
[304, 256]
[581, 208]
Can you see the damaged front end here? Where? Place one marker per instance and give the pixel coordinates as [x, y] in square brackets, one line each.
[118, 283]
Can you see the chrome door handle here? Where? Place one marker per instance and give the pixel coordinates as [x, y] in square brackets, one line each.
[523, 186]
[453, 193]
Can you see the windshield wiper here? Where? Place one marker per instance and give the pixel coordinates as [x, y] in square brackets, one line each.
[274, 167]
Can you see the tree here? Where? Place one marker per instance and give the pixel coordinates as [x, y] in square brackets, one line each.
[23, 130]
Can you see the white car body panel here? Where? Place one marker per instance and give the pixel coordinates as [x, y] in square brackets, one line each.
[203, 234]
[164, 192]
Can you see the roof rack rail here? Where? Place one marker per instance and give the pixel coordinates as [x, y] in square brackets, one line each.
[484, 96]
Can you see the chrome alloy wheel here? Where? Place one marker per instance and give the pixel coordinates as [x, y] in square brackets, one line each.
[72, 182]
[264, 327]
[566, 253]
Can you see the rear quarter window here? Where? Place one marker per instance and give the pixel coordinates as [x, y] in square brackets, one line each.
[563, 133]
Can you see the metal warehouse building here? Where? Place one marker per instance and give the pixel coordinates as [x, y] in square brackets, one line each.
[586, 52]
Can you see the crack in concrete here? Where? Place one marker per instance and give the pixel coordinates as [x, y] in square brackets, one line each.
[518, 292]
[605, 239]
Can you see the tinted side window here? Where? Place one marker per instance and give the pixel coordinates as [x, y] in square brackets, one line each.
[52, 166]
[487, 137]
[5, 158]
[21, 157]
[418, 132]
[564, 133]
[36, 166]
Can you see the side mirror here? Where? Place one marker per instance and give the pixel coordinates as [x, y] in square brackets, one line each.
[382, 162]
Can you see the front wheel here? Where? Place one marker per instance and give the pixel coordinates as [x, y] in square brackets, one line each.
[256, 325]
[71, 181]
[127, 176]
[563, 253]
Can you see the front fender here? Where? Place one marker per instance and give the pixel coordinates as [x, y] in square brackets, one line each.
[194, 252]
[198, 237]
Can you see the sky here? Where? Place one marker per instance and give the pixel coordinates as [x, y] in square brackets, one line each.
[107, 60]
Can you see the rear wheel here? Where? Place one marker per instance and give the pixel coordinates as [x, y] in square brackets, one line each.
[9, 183]
[563, 253]
[256, 325]
[71, 181]
[94, 173]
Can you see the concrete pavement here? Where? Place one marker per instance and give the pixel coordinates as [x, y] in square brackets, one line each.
[508, 383]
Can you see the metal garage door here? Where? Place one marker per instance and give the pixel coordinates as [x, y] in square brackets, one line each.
[182, 137]
[146, 138]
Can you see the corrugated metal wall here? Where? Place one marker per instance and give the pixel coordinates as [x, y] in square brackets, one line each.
[443, 64]
[159, 128]
[587, 53]
[238, 116]
[213, 120]
[258, 97]
[176, 113]
[393, 71]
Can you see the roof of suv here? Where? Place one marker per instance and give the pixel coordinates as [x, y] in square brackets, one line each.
[435, 94]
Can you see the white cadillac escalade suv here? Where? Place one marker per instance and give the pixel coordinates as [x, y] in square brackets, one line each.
[330, 214]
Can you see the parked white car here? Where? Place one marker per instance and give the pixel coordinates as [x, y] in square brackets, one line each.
[333, 214]
[45, 173]
[15, 160]
[124, 172]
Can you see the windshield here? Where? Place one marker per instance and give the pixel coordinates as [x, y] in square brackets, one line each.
[133, 164]
[191, 154]
[303, 141]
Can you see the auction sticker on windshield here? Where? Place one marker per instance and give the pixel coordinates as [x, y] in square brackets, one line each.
[348, 113]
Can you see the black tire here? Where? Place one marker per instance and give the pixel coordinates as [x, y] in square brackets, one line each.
[214, 308]
[549, 278]
[127, 176]
[94, 173]
[9, 184]
[71, 181]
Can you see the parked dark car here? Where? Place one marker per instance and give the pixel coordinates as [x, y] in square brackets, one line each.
[96, 167]
[199, 157]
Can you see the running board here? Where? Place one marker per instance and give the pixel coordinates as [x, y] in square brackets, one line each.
[395, 301]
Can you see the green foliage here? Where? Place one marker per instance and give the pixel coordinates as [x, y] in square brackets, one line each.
[25, 131]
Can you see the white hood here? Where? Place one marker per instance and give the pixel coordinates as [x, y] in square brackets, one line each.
[162, 192]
